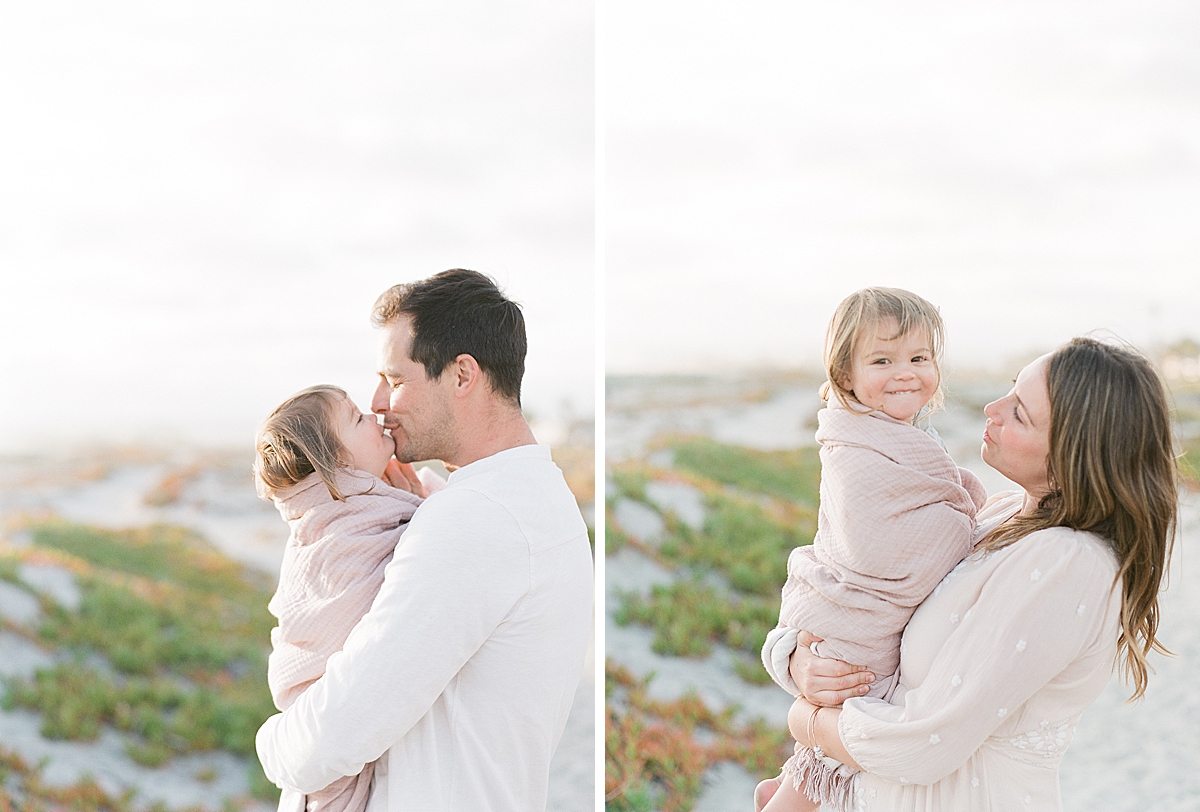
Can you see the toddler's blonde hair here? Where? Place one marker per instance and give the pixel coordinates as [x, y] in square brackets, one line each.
[298, 438]
[863, 310]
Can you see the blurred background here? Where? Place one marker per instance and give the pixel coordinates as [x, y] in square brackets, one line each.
[1031, 168]
[201, 203]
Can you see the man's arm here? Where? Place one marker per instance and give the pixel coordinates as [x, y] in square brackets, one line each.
[459, 569]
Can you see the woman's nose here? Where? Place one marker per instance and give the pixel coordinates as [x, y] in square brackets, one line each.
[990, 411]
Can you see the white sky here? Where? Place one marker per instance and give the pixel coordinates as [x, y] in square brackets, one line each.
[1033, 168]
[202, 200]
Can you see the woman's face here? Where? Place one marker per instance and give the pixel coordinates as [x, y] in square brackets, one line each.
[1016, 441]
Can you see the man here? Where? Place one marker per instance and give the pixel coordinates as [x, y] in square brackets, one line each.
[460, 677]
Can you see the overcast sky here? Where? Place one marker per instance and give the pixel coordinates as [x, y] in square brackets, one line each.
[1033, 168]
[202, 200]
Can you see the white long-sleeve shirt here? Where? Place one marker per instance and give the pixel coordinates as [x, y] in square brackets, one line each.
[460, 677]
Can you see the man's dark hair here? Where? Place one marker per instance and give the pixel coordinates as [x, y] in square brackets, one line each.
[456, 312]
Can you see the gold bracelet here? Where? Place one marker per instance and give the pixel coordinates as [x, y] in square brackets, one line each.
[812, 733]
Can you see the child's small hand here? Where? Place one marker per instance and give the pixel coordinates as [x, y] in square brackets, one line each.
[403, 476]
[824, 681]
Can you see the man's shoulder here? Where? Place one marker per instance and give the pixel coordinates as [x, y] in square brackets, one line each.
[529, 500]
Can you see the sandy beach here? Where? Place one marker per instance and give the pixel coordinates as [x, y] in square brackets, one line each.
[212, 494]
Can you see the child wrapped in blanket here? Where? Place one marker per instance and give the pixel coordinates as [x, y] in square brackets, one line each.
[896, 515]
[321, 461]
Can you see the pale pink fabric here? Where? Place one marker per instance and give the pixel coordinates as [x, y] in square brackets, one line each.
[332, 569]
[896, 515]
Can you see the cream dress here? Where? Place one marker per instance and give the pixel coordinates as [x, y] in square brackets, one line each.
[996, 667]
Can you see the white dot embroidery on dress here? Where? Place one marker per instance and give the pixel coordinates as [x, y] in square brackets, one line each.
[956, 681]
[1028, 800]
[1033, 576]
[1002, 712]
[974, 782]
[967, 615]
[954, 617]
[1049, 740]
[1081, 609]
[1020, 645]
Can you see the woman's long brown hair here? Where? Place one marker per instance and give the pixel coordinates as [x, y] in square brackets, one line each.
[1113, 473]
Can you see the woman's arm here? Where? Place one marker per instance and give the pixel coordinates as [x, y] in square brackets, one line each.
[1047, 600]
[823, 728]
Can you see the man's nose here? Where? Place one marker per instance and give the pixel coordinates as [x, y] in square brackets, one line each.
[380, 400]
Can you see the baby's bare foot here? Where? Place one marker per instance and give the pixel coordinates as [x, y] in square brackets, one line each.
[764, 792]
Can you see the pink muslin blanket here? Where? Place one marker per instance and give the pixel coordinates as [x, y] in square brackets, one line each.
[896, 515]
[332, 569]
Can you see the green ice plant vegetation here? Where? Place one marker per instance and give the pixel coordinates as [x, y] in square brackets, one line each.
[792, 474]
[8, 569]
[759, 506]
[614, 537]
[631, 481]
[742, 541]
[1189, 464]
[689, 616]
[180, 634]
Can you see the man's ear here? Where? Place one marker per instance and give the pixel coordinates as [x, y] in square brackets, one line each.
[467, 374]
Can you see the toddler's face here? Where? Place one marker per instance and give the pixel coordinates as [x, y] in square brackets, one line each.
[364, 440]
[893, 374]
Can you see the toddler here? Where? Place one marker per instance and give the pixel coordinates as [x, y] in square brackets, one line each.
[896, 514]
[321, 461]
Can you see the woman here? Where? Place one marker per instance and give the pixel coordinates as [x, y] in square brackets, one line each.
[999, 662]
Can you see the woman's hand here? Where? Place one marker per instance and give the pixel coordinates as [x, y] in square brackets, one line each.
[823, 681]
[403, 476]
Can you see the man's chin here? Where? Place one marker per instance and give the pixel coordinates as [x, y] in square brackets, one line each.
[404, 454]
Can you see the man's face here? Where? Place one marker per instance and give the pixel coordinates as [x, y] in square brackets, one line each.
[415, 409]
